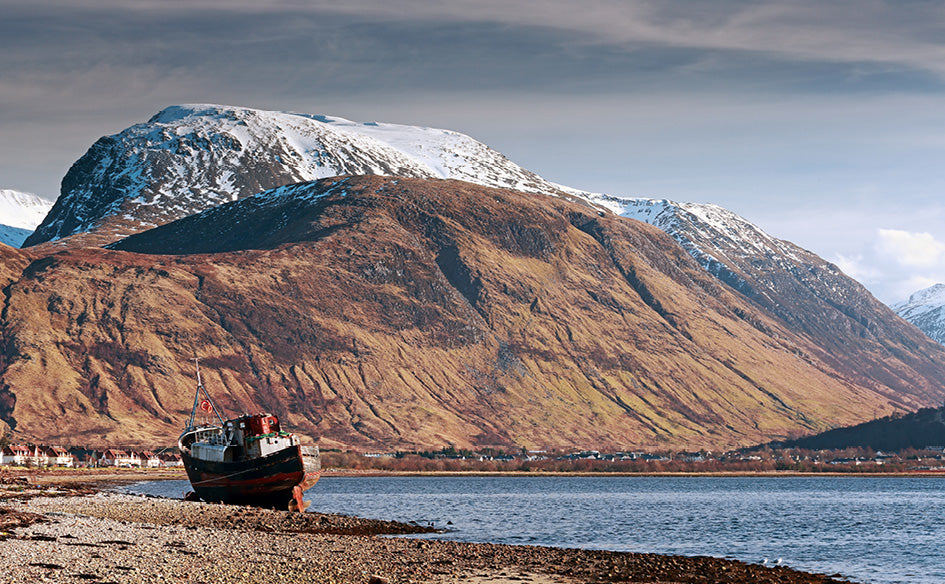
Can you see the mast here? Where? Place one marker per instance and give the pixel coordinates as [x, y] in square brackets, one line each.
[197, 402]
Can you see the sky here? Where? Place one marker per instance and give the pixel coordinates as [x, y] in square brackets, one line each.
[821, 122]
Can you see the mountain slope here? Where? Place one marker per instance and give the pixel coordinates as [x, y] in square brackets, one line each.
[808, 294]
[20, 213]
[926, 310]
[191, 159]
[412, 313]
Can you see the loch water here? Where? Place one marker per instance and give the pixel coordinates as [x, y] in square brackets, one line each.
[871, 530]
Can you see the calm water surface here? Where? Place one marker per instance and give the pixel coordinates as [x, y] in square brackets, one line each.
[875, 530]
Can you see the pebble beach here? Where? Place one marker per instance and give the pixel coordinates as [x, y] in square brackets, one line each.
[65, 529]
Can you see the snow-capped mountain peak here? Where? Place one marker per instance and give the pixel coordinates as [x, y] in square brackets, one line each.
[926, 310]
[193, 157]
[924, 300]
[20, 213]
[188, 158]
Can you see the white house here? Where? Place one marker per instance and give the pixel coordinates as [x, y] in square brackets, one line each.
[38, 456]
[150, 459]
[59, 456]
[15, 454]
[115, 457]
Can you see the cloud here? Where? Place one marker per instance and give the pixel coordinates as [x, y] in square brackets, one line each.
[845, 31]
[897, 263]
[857, 267]
[911, 250]
[848, 31]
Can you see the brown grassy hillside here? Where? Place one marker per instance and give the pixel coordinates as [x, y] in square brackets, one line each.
[409, 313]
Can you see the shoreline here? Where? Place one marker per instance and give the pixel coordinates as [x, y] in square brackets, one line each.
[340, 472]
[111, 476]
[74, 530]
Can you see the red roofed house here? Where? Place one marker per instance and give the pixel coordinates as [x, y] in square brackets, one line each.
[171, 459]
[150, 459]
[15, 454]
[59, 456]
[38, 456]
[115, 457]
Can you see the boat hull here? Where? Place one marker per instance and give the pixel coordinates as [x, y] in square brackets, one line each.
[264, 482]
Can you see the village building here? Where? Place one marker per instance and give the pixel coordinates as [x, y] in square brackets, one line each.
[150, 460]
[15, 455]
[29, 455]
[59, 456]
[37, 456]
[86, 457]
[171, 459]
[120, 458]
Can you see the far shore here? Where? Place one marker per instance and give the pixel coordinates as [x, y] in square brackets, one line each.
[105, 476]
[759, 474]
[69, 526]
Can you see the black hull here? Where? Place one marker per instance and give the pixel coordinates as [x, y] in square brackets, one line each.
[263, 482]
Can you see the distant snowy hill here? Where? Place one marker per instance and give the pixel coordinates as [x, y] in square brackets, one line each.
[926, 310]
[20, 213]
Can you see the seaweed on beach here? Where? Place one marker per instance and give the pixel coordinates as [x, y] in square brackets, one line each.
[12, 519]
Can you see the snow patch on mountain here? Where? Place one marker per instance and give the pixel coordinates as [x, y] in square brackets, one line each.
[926, 310]
[717, 238]
[708, 220]
[20, 213]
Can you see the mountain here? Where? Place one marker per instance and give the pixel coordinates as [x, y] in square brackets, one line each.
[189, 158]
[926, 310]
[401, 313]
[187, 167]
[20, 213]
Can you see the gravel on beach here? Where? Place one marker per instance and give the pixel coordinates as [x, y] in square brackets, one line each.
[55, 535]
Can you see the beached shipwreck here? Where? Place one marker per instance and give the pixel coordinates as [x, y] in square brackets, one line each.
[248, 460]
